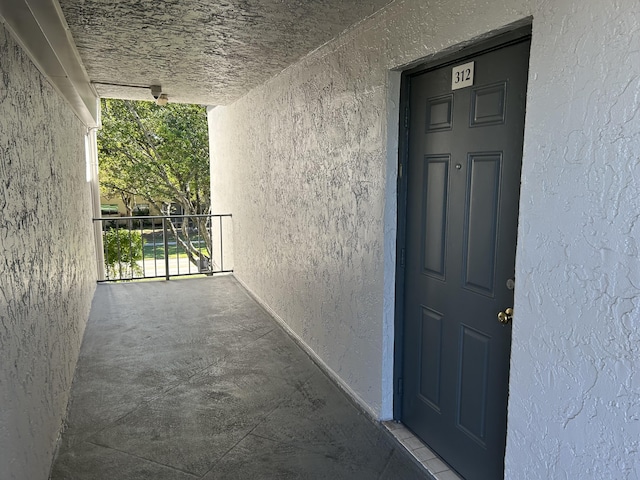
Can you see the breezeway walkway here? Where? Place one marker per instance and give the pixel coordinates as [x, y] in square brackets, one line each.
[192, 379]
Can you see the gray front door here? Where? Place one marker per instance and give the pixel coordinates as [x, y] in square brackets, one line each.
[463, 184]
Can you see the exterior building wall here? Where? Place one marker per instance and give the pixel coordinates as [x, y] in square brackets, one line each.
[307, 164]
[47, 262]
[117, 202]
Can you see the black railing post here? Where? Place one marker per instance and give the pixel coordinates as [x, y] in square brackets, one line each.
[118, 238]
[165, 238]
[221, 250]
[130, 258]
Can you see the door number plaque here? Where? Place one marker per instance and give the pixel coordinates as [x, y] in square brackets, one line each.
[462, 76]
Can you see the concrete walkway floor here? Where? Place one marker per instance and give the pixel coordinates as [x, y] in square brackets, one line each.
[192, 379]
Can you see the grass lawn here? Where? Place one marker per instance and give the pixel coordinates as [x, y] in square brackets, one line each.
[153, 245]
[157, 252]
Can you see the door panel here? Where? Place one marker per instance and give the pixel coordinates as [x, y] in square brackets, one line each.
[436, 172]
[481, 222]
[474, 374]
[463, 181]
[431, 351]
[488, 105]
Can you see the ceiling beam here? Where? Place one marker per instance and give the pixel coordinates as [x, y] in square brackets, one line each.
[40, 28]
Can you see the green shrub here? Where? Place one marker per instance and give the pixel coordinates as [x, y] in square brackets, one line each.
[122, 251]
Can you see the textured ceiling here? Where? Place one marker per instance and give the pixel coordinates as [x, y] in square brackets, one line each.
[201, 51]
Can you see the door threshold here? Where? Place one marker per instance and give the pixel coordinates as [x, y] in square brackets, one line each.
[433, 464]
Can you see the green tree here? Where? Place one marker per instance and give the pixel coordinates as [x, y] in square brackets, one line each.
[160, 154]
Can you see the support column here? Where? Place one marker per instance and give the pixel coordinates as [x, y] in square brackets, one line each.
[91, 146]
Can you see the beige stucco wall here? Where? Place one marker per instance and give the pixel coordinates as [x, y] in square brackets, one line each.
[307, 164]
[122, 209]
[47, 262]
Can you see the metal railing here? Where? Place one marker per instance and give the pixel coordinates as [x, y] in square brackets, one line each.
[142, 247]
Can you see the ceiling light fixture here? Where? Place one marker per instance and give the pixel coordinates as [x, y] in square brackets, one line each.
[161, 98]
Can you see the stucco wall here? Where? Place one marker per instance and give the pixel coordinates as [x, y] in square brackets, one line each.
[47, 262]
[575, 381]
[307, 165]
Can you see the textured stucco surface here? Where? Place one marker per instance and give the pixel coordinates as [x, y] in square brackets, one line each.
[198, 50]
[47, 262]
[575, 382]
[307, 166]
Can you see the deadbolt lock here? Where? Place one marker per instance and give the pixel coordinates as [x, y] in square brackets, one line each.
[506, 316]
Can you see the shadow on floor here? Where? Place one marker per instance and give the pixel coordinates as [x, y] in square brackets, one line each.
[192, 379]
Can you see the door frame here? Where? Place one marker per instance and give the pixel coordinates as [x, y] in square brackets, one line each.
[496, 42]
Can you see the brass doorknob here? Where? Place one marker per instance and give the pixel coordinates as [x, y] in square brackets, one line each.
[506, 316]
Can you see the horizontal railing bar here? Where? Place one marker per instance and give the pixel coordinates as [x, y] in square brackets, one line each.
[159, 217]
[162, 276]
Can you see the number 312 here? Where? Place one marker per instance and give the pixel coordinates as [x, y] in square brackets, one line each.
[463, 75]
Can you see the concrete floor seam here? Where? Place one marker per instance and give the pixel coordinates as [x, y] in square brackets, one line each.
[240, 441]
[143, 458]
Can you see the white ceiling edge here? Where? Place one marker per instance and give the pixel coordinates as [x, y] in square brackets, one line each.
[41, 30]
